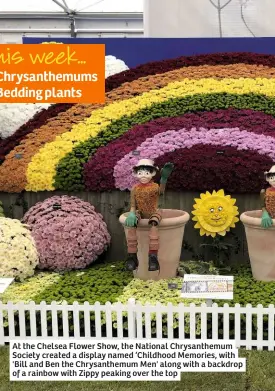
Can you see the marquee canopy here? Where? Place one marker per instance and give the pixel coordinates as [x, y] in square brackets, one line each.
[77, 5]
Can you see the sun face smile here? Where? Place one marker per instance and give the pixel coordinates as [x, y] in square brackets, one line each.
[215, 213]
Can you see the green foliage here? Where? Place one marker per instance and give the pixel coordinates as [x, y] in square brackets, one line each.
[69, 172]
[102, 282]
[109, 282]
[153, 292]
[247, 290]
[2, 214]
[221, 249]
[30, 288]
[26, 290]
[19, 201]
[200, 267]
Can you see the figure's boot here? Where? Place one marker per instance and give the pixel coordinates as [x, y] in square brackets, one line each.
[153, 249]
[132, 260]
[153, 262]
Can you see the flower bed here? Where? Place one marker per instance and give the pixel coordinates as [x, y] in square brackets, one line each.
[45, 125]
[129, 108]
[160, 67]
[171, 108]
[15, 115]
[109, 282]
[196, 161]
[102, 282]
[172, 141]
[16, 135]
[56, 159]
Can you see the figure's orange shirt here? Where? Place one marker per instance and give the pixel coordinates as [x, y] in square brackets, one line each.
[270, 201]
[145, 197]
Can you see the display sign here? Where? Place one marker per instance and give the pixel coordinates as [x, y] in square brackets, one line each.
[207, 287]
[68, 73]
[4, 283]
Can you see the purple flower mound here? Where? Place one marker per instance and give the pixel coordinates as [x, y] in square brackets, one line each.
[68, 232]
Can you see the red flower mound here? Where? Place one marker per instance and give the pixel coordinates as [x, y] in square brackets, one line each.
[36, 122]
[205, 168]
[157, 67]
[98, 171]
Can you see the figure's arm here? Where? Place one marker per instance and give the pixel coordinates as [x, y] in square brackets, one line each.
[262, 196]
[165, 173]
[133, 200]
[162, 187]
[266, 218]
[131, 220]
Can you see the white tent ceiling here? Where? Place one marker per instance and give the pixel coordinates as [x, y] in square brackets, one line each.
[78, 5]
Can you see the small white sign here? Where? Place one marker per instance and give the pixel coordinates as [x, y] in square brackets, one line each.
[207, 287]
[4, 283]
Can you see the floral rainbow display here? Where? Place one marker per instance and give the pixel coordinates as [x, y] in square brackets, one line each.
[211, 115]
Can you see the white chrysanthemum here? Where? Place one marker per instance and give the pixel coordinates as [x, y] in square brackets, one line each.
[18, 254]
[114, 65]
[14, 115]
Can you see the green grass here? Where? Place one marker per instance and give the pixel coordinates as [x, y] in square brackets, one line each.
[260, 376]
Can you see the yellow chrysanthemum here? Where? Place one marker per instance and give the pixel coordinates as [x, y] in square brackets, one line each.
[215, 213]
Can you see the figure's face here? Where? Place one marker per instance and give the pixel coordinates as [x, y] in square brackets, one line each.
[144, 176]
[271, 179]
[215, 212]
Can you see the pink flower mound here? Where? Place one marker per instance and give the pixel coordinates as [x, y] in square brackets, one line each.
[71, 237]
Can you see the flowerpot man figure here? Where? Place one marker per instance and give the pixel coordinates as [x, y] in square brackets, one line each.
[268, 199]
[144, 205]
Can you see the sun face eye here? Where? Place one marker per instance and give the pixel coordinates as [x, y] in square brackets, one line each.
[220, 208]
[211, 210]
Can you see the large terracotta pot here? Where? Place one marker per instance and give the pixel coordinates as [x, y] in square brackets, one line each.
[261, 246]
[171, 230]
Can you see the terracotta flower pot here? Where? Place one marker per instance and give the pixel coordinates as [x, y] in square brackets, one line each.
[171, 230]
[261, 246]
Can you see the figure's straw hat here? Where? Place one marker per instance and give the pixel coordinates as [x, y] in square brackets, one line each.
[145, 162]
[271, 171]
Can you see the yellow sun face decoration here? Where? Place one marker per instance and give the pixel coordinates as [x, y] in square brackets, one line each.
[215, 213]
